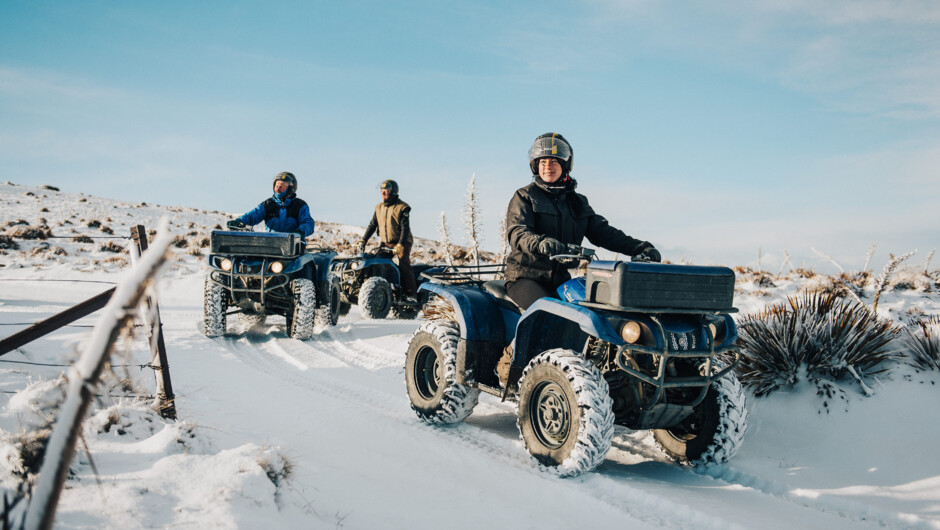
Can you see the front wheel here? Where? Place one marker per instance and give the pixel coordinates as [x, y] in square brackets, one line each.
[214, 308]
[714, 431]
[375, 298]
[566, 417]
[300, 324]
[431, 375]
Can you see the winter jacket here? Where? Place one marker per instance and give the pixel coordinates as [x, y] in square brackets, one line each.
[290, 215]
[391, 219]
[542, 210]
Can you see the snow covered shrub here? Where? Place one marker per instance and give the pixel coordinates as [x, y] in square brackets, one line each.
[180, 242]
[32, 232]
[820, 338]
[82, 239]
[920, 343]
[275, 465]
[6, 242]
[111, 246]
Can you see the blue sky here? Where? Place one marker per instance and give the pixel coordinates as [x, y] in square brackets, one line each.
[716, 130]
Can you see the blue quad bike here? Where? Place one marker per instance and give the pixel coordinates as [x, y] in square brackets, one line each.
[640, 345]
[256, 274]
[373, 282]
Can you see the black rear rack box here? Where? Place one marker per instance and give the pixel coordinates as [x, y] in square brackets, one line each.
[659, 285]
[275, 244]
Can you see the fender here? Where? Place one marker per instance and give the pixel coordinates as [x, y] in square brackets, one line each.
[323, 262]
[385, 268]
[551, 323]
[477, 312]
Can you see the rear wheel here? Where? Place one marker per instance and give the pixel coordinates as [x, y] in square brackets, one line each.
[714, 431]
[300, 324]
[328, 312]
[431, 375]
[214, 308]
[566, 417]
[375, 298]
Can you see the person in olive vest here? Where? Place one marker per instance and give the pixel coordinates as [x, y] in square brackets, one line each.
[282, 212]
[391, 220]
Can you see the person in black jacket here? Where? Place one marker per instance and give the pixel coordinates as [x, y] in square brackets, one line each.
[548, 214]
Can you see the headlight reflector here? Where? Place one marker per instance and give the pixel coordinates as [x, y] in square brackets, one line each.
[226, 264]
[630, 331]
[277, 267]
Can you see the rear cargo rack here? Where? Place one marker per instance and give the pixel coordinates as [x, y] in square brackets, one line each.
[466, 274]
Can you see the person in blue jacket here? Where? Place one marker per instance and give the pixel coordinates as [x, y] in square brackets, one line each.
[282, 212]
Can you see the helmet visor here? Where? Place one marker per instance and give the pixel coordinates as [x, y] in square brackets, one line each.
[550, 146]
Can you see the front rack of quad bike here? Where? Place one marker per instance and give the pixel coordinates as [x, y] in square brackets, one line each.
[466, 274]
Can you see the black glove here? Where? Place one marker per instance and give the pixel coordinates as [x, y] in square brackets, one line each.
[235, 224]
[648, 253]
[552, 247]
[299, 234]
[360, 247]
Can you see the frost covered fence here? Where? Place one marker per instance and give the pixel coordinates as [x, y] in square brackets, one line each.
[83, 377]
[64, 318]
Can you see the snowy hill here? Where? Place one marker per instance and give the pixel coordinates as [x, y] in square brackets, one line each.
[279, 433]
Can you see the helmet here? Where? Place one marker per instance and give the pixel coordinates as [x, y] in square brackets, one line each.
[390, 185]
[551, 145]
[289, 178]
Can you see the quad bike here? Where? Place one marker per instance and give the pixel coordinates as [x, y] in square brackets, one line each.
[255, 274]
[373, 282]
[641, 345]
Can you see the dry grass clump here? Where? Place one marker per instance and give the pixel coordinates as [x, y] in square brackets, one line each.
[920, 343]
[438, 308]
[817, 337]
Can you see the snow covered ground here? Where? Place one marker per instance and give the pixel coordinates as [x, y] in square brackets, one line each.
[279, 433]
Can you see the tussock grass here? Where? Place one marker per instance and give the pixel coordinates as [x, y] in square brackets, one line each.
[920, 343]
[816, 337]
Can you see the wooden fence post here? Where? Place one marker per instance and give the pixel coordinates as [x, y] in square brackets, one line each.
[158, 358]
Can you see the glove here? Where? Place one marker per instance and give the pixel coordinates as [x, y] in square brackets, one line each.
[648, 253]
[398, 250]
[552, 247]
[360, 247]
[235, 224]
[300, 234]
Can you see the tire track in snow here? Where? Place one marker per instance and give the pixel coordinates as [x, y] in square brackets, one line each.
[837, 506]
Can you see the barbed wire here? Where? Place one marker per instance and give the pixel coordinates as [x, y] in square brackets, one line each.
[54, 280]
[141, 366]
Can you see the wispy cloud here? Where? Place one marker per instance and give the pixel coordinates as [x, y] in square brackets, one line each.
[872, 56]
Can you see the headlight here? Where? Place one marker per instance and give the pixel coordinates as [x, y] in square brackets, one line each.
[276, 267]
[630, 331]
[355, 265]
[718, 331]
[226, 264]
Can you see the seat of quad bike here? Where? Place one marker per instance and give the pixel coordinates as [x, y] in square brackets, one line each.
[497, 288]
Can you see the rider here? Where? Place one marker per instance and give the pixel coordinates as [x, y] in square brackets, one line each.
[391, 219]
[282, 212]
[548, 214]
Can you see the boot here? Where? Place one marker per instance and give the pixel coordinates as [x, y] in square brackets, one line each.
[502, 367]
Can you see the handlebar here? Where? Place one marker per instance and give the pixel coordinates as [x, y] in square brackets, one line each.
[575, 253]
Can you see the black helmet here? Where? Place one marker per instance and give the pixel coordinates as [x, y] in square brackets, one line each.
[391, 186]
[289, 178]
[551, 145]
